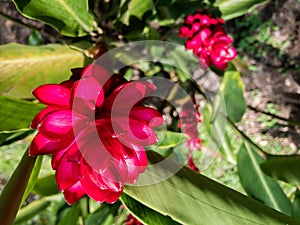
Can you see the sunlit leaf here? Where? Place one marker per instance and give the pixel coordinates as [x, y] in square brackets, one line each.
[234, 8]
[136, 8]
[69, 17]
[23, 68]
[169, 139]
[286, 168]
[257, 184]
[191, 198]
[232, 89]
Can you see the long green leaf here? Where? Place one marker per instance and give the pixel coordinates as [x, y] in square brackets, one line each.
[13, 191]
[17, 114]
[69, 17]
[232, 89]
[33, 177]
[191, 198]
[145, 214]
[9, 137]
[217, 138]
[257, 184]
[23, 68]
[105, 215]
[32, 210]
[286, 168]
[234, 8]
[296, 205]
[71, 216]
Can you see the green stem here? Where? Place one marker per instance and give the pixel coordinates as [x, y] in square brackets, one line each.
[16, 21]
[12, 193]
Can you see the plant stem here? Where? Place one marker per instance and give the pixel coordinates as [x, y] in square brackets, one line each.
[12, 193]
[290, 122]
[263, 153]
[20, 23]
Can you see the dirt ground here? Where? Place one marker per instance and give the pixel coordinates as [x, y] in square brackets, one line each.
[268, 87]
[271, 88]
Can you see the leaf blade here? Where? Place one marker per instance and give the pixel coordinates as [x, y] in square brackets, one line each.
[22, 68]
[202, 201]
[145, 214]
[232, 90]
[234, 8]
[17, 114]
[69, 17]
[285, 168]
[257, 184]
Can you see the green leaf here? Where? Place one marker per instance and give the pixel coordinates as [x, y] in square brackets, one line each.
[35, 38]
[296, 205]
[17, 114]
[70, 17]
[145, 214]
[257, 184]
[286, 168]
[23, 68]
[232, 89]
[217, 137]
[71, 216]
[33, 177]
[191, 198]
[46, 186]
[105, 215]
[169, 139]
[136, 8]
[32, 210]
[9, 137]
[234, 8]
[13, 191]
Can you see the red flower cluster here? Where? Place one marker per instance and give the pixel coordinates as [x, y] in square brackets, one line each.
[207, 38]
[97, 145]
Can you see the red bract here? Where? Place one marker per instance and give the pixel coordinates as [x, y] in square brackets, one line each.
[207, 38]
[131, 220]
[190, 118]
[97, 146]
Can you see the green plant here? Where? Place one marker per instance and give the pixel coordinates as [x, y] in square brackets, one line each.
[169, 192]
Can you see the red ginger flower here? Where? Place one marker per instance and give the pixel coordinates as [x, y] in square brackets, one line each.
[207, 38]
[97, 146]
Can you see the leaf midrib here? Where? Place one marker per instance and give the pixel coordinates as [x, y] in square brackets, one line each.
[167, 183]
[260, 175]
[75, 17]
